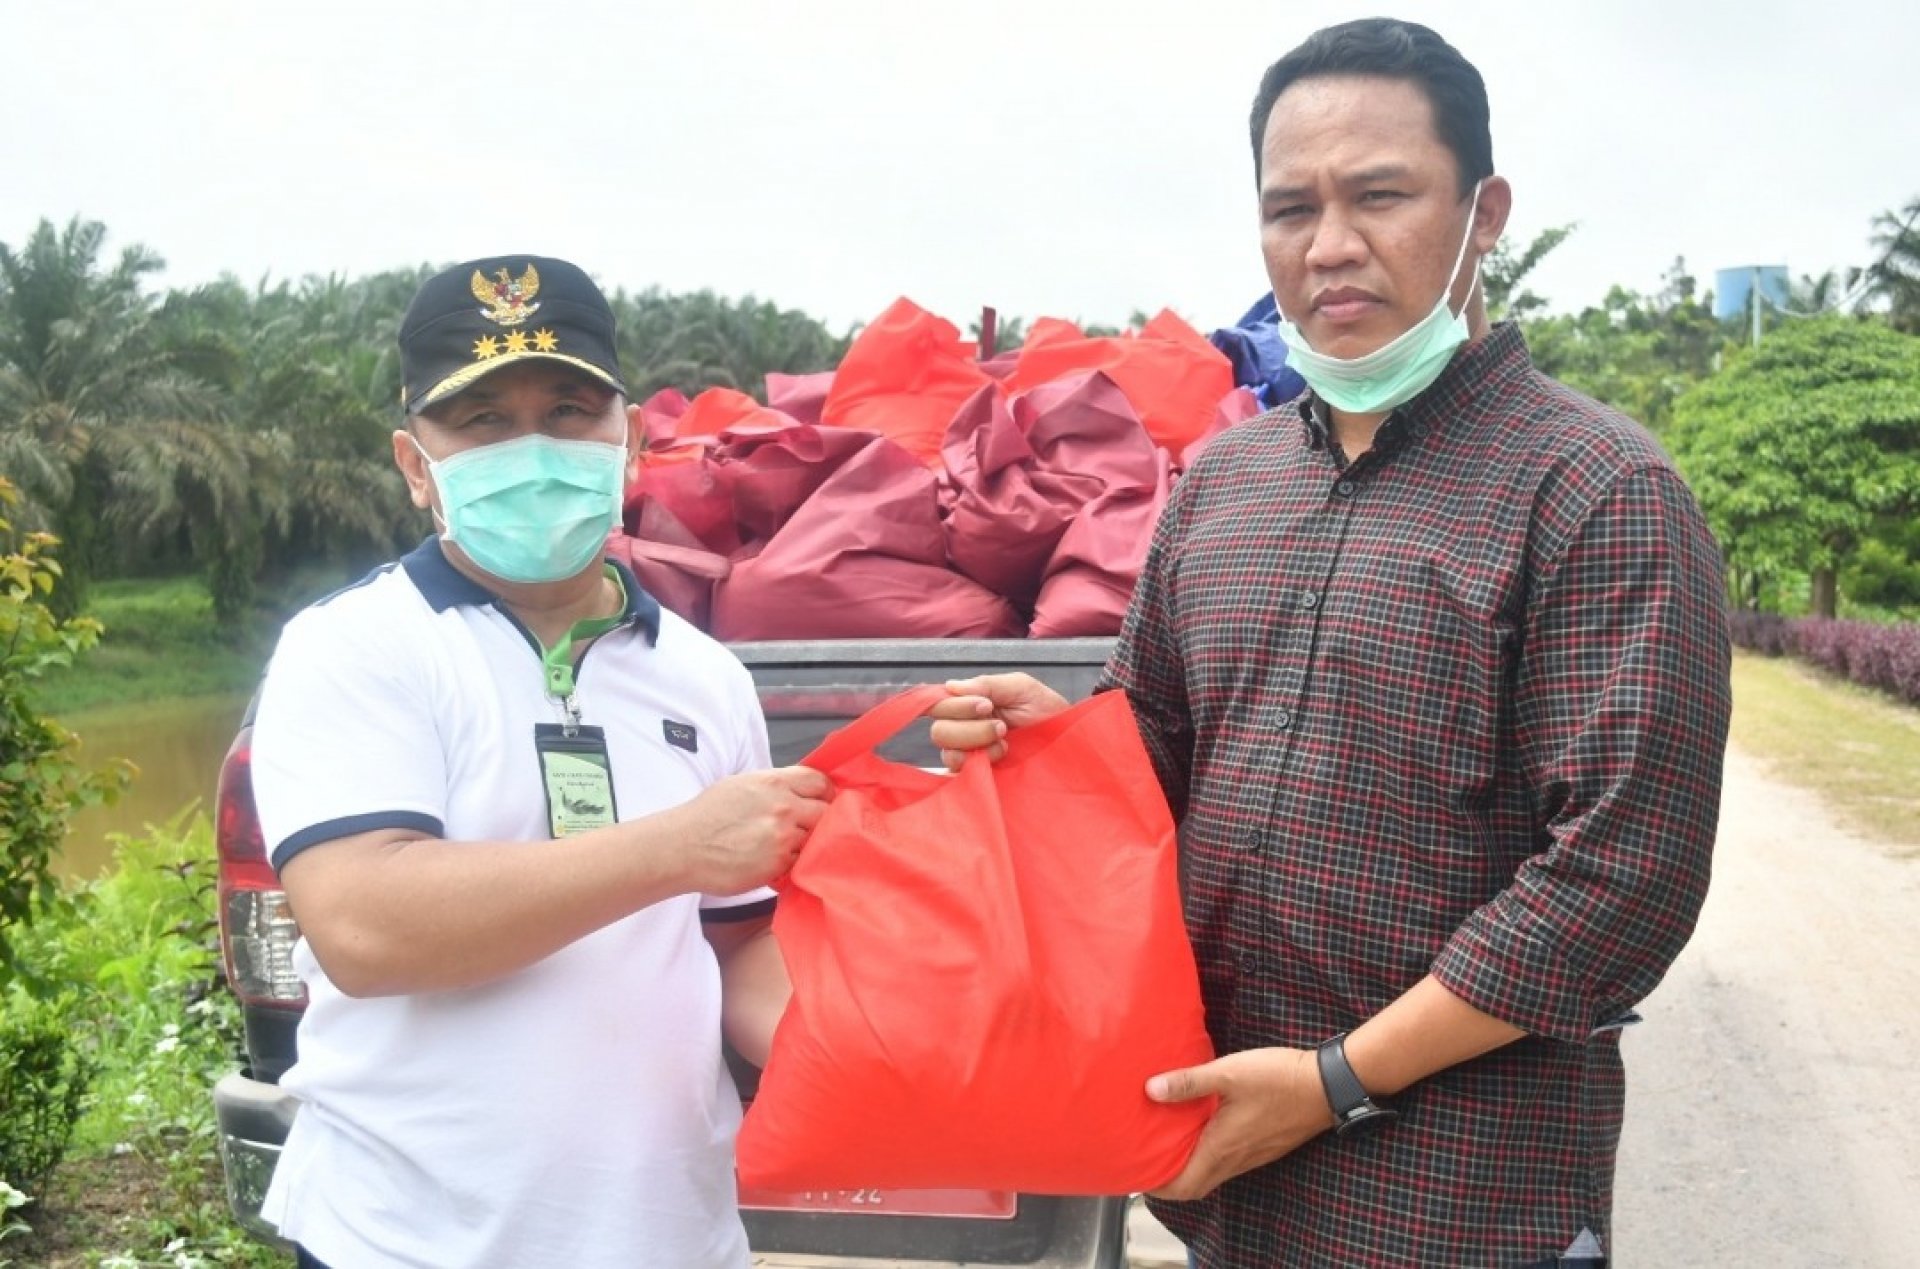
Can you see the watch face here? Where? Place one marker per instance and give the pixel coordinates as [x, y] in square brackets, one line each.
[1364, 1118]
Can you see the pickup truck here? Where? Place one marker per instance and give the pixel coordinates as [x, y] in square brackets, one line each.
[807, 688]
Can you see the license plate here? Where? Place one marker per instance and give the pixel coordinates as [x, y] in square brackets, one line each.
[995, 1205]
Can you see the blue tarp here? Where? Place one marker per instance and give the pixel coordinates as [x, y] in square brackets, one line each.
[1259, 358]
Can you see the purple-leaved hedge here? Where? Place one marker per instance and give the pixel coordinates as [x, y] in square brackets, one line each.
[1869, 653]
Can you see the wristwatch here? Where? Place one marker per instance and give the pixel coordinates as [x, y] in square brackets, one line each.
[1353, 1110]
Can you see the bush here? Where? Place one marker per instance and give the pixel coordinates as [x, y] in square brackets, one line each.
[41, 781]
[43, 1084]
[1885, 657]
[1762, 632]
[137, 952]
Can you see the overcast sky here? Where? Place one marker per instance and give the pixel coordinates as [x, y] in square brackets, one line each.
[1048, 157]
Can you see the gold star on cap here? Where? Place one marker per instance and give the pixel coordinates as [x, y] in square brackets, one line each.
[484, 347]
[516, 341]
[544, 340]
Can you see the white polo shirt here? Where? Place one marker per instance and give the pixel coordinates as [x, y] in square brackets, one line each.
[576, 1113]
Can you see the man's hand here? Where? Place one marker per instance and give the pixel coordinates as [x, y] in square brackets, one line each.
[980, 711]
[1271, 1103]
[746, 830]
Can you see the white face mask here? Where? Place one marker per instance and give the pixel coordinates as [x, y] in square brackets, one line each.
[1400, 370]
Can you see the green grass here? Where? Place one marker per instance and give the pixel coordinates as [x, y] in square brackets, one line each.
[1860, 750]
[161, 641]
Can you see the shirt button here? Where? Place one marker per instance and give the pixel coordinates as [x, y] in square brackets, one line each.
[1344, 489]
[1248, 962]
[1248, 841]
[1310, 600]
[1283, 720]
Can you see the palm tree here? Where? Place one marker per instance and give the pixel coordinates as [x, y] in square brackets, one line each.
[1504, 269]
[700, 341]
[1897, 276]
[1835, 291]
[311, 386]
[101, 426]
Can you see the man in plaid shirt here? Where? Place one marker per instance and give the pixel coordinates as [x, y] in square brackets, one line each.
[1433, 666]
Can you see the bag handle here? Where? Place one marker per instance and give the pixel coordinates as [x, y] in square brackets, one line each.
[875, 727]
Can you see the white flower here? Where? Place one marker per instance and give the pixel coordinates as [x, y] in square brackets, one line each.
[11, 1198]
[168, 1044]
[173, 1246]
[138, 1099]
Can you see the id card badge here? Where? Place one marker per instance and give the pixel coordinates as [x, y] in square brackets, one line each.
[578, 778]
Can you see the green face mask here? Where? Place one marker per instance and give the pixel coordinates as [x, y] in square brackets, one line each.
[533, 509]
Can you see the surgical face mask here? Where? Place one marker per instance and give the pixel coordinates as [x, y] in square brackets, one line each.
[533, 509]
[1392, 375]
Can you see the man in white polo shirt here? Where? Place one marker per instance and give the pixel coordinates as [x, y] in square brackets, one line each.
[525, 820]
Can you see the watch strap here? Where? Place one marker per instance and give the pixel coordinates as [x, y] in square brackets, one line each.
[1347, 1097]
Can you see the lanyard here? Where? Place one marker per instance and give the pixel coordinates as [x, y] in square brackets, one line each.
[557, 661]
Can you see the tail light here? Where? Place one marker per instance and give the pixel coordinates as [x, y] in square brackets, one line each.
[257, 929]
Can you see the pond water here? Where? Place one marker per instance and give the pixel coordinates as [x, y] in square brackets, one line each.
[177, 747]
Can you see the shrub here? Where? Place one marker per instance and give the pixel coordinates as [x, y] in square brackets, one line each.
[1762, 632]
[41, 781]
[1882, 656]
[43, 1081]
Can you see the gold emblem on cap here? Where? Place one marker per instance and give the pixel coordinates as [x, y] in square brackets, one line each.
[544, 340]
[508, 300]
[484, 347]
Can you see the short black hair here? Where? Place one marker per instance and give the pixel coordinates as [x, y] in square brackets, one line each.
[1397, 50]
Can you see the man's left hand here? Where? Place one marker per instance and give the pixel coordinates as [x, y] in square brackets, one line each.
[1271, 1103]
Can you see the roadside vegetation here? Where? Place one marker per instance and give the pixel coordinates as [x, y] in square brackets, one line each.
[111, 1017]
[128, 966]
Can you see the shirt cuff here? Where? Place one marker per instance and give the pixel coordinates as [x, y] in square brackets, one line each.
[350, 825]
[1514, 976]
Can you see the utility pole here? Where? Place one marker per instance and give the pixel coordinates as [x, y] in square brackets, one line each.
[1753, 299]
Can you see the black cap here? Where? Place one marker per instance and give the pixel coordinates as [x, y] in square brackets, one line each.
[476, 317]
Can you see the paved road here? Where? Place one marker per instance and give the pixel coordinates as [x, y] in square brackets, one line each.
[1773, 1106]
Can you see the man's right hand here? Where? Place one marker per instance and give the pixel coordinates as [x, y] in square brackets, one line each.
[746, 830]
[980, 711]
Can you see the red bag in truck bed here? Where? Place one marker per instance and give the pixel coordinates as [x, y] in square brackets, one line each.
[859, 554]
[987, 968]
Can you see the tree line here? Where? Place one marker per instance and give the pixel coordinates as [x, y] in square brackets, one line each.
[241, 432]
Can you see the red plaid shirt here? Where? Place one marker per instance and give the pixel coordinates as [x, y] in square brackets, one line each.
[1455, 708]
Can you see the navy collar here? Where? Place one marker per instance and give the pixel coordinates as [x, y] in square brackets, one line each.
[444, 586]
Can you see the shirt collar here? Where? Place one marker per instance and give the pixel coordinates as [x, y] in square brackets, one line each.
[444, 586]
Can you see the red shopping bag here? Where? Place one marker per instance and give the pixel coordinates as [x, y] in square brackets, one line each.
[987, 967]
[1169, 372]
[904, 376]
